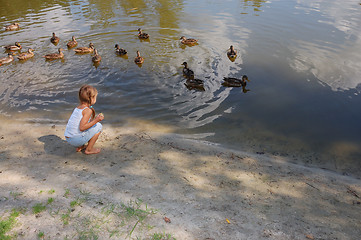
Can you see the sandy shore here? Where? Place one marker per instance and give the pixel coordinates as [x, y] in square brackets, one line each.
[142, 179]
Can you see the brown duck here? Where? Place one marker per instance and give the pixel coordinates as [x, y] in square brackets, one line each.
[26, 55]
[52, 56]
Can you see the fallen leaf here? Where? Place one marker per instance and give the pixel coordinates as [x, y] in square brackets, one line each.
[310, 236]
[228, 221]
[167, 220]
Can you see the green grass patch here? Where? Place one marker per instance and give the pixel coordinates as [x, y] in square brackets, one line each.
[38, 208]
[7, 224]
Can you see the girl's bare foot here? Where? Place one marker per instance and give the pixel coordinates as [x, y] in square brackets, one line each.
[79, 149]
[93, 151]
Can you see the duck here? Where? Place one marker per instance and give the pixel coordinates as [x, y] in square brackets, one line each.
[235, 82]
[72, 43]
[188, 73]
[89, 49]
[231, 53]
[15, 47]
[194, 84]
[142, 35]
[26, 55]
[120, 51]
[54, 39]
[7, 59]
[52, 56]
[14, 26]
[138, 59]
[188, 41]
[96, 58]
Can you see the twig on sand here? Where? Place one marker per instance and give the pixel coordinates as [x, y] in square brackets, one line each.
[352, 192]
[312, 186]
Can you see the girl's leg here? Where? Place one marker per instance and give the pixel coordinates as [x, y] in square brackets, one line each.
[89, 149]
[79, 149]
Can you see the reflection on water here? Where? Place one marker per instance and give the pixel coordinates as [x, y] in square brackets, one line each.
[302, 58]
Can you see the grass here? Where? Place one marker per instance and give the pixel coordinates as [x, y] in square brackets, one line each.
[38, 208]
[162, 236]
[41, 235]
[7, 224]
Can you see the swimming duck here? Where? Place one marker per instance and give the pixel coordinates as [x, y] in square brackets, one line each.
[188, 41]
[55, 55]
[231, 53]
[72, 43]
[15, 47]
[96, 58]
[194, 84]
[142, 35]
[7, 59]
[187, 72]
[54, 39]
[138, 59]
[26, 55]
[120, 51]
[235, 82]
[89, 49]
[14, 26]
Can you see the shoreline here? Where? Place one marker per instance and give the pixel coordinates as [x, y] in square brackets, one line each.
[208, 192]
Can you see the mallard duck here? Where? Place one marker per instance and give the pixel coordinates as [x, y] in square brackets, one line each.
[72, 43]
[7, 59]
[231, 53]
[55, 55]
[120, 51]
[14, 26]
[142, 35]
[187, 72]
[138, 59]
[235, 82]
[26, 55]
[188, 41]
[15, 47]
[89, 49]
[194, 84]
[54, 39]
[96, 58]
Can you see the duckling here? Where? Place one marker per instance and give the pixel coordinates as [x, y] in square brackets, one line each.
[235, 82]
[138, 59]
[14, 26]
[54, 39]
[52, 56]
[96, 58]
[89, 49]
[188, 73]
[15, 47]
[72, 43]
[142, 35]
[188, 41]
[195, 84]
[26, 55]
[120, 51]
[231, 53]
[7, 59]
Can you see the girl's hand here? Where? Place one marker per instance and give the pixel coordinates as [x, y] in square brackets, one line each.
[100, 117]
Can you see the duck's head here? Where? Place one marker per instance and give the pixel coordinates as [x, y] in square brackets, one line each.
[53, 34]
[91, 45]
[30, 50]
[73, 38]
[139, 30]
[182, 38]
[185, 64]
[116, 46]
[17, 44]
[95, 52]
[231, 47]
[244, 78]
[60, 50]
[138, 54]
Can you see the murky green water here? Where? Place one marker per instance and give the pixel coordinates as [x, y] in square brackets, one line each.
[303, 59]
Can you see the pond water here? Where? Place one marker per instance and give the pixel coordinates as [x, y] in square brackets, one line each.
[302, 57]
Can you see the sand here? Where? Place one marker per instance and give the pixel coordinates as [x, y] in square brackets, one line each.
[146, 184]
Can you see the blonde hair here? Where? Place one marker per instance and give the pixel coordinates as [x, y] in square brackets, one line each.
[86, 93]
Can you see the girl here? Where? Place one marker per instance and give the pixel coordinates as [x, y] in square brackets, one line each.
[83, 127]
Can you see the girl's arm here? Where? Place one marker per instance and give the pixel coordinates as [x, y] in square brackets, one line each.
[84, 124]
